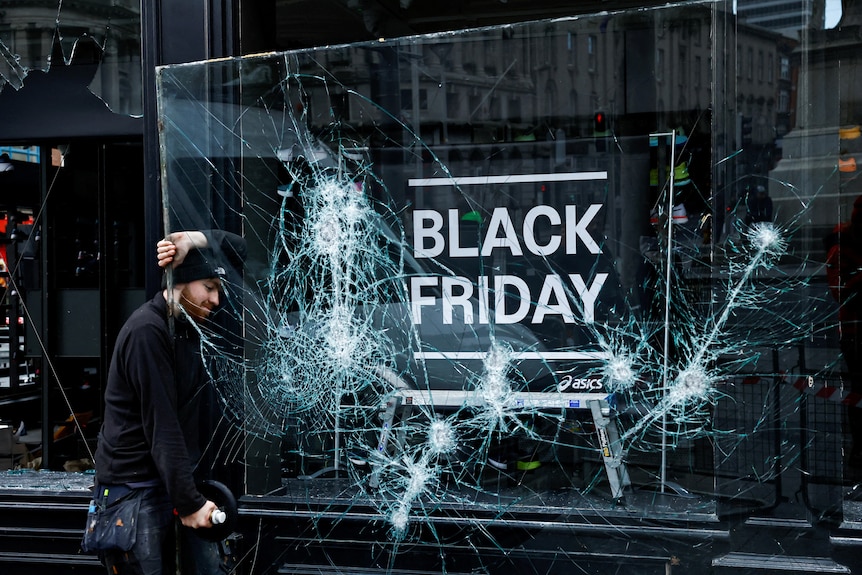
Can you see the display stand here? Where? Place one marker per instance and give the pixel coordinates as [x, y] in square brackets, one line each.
[401, 403]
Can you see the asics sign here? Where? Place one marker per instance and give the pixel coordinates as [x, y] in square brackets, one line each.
[569, 383]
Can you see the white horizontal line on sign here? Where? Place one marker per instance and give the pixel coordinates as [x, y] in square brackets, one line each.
[507, 179]
[543, 355]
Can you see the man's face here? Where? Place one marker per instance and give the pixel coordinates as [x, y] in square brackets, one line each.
[200, 297]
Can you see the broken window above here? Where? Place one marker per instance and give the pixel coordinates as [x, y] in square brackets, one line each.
[97, 47]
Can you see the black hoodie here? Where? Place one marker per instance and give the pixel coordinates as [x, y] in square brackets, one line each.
[153, 390]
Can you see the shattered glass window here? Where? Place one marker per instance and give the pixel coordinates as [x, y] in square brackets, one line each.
[97, 44]
[560, 275]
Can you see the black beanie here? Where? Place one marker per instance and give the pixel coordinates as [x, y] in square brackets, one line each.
[198, 264]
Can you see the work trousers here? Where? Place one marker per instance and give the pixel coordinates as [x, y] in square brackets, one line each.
[159, 537]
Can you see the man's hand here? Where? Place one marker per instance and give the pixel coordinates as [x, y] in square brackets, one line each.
[200, 518]
[176, 245]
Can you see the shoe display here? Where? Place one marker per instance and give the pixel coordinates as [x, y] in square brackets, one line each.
[678, 216]
[849, 133]
[680, 175]
[846, 164]
[681, 139]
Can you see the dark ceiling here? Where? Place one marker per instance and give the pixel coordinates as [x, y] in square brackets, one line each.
[305, 23]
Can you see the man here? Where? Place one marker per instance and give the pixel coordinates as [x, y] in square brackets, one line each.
[145, 460]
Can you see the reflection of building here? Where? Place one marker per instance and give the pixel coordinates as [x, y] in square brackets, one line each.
[786, 17]
[561, 79]
[758, 66]
[828, 98]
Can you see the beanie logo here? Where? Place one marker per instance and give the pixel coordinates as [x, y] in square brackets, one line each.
[220, 271]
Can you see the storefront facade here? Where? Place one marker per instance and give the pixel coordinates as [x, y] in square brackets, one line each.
[527, 289]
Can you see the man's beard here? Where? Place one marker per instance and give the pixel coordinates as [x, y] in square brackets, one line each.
[197, 313]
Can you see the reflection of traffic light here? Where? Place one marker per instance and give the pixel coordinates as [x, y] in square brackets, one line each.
[600, 124]
[600, 130]
[744, 130]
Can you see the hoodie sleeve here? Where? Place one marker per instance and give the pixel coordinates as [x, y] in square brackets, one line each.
[150, 369]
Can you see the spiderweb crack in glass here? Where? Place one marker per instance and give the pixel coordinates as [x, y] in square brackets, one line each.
[440, 318]
[326, 357]
[324, 354]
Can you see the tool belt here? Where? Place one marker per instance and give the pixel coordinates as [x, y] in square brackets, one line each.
[112, 519]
